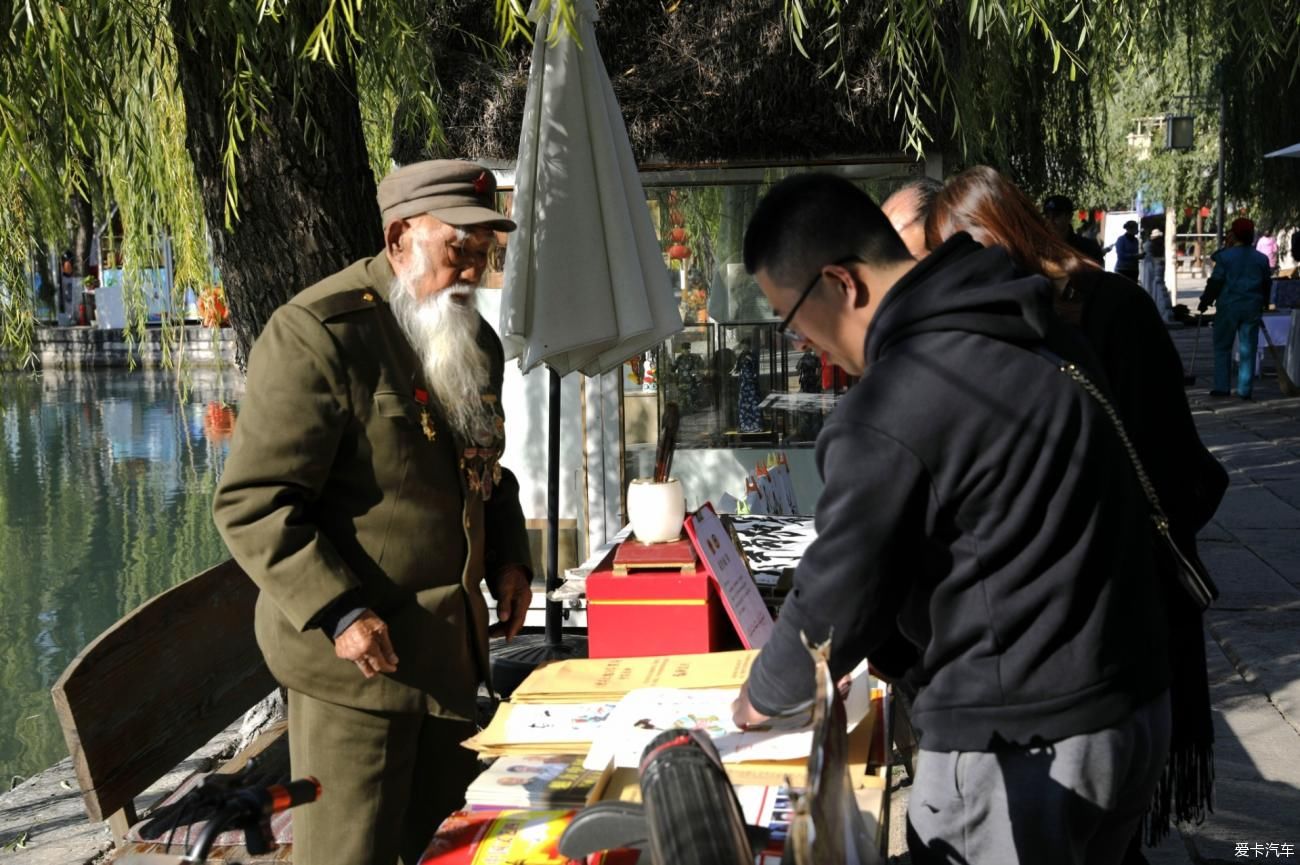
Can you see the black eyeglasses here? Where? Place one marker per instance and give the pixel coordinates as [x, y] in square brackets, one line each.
[464, 256]
[784, 327]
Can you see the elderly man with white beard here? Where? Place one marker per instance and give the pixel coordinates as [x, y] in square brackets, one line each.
[364, 495]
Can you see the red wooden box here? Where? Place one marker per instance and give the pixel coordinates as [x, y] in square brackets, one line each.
[648, 613]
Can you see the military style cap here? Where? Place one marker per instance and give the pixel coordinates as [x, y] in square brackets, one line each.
[459, 193]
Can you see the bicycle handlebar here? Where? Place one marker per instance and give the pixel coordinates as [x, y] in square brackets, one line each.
[247, 808]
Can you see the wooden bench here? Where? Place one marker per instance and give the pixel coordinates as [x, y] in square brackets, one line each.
[158, 686]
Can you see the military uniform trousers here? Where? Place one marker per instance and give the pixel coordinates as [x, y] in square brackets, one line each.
[387, 780]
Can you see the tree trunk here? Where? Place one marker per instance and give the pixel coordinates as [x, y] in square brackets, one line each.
[306, 207]
[83, 235]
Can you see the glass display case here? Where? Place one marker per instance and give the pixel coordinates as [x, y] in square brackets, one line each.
[738, 385]
[742, 389]
[736, 381]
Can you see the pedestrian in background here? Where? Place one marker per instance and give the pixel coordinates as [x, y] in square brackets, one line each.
[1153, 272]
[1058, 211]
[1267, 247]
[906, 208]
[1128, 251]
[1238, 288]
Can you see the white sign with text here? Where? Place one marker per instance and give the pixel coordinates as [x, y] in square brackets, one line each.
[727, 567]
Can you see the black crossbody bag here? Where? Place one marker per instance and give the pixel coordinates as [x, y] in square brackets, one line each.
[1188, 567]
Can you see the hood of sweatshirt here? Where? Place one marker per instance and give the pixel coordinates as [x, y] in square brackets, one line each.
[965, 287]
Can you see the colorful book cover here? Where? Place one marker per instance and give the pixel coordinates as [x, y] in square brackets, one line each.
[533, 781]
[768, 808]
[510, 838]
[499, 837]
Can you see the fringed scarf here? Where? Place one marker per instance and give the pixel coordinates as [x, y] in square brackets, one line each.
[1186, 788]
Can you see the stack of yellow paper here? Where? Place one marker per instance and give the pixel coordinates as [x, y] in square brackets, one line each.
[557, 709]
[590, 680]
[541, 728]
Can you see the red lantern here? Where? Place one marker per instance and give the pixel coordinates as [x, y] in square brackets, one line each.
[212, 308]
[678, 235]
[677, 252]
[675, 216]
[1205, 212]
[1098, 215]
[218, 421]
[1083, 214]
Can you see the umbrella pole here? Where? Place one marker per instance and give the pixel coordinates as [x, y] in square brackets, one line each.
[553, 610]
[512, 661]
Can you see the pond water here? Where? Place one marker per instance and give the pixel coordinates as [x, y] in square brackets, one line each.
[106, 484]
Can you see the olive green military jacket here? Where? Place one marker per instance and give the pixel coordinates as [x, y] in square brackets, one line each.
[343, 476]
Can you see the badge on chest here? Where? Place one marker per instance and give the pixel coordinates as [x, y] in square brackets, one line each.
[426, 420]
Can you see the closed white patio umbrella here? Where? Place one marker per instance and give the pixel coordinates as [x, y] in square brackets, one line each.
[585, 282]
[1293, 151]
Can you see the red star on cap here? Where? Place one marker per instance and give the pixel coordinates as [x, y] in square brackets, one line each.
[481, 183]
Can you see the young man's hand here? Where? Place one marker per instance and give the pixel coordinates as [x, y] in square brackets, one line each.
[743, 713]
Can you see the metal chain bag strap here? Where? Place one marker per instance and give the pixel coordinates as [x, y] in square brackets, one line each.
[1191, 572]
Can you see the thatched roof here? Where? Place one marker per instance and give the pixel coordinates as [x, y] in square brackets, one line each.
[720, 83]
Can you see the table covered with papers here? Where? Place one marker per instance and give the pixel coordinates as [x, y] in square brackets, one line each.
[573, 732]
[673, 630]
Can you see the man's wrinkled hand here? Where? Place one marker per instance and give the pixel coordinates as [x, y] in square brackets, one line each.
[743, 713]
[513, 591]
[365, 643]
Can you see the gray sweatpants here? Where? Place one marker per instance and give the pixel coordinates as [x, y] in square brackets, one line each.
[1074, 802]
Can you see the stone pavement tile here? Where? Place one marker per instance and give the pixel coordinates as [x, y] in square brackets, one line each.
[1269, 462]
[47, 809]
[1255, 507]
[1171, 851]
[1288, 491]
[1252, 741]
[1246, 811]
[1278, 548]
[1262, 646]
[1215, 533]
[1226, 437]
[1260, 459]
[1234, 409]
[1244, 580]
[1257, 783]
[47, 812]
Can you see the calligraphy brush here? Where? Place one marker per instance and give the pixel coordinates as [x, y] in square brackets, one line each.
[667, 442]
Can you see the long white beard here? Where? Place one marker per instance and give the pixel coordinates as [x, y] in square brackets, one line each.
[444, 333]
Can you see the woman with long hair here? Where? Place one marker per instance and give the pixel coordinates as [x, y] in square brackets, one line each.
[1144, 374]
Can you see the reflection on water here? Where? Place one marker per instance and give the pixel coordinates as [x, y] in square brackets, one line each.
[106, 483]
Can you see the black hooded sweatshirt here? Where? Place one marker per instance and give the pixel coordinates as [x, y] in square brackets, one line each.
[979, 512]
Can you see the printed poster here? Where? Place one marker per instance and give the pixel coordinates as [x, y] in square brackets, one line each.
[727, 567]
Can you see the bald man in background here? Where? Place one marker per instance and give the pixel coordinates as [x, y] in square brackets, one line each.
[907, 209]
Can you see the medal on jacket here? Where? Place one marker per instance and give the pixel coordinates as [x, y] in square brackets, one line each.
[426, 422]
[482, 468]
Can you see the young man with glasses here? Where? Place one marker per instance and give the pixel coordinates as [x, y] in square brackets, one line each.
[980, 532]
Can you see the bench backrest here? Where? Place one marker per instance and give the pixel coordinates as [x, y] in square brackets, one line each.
[158, 685]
